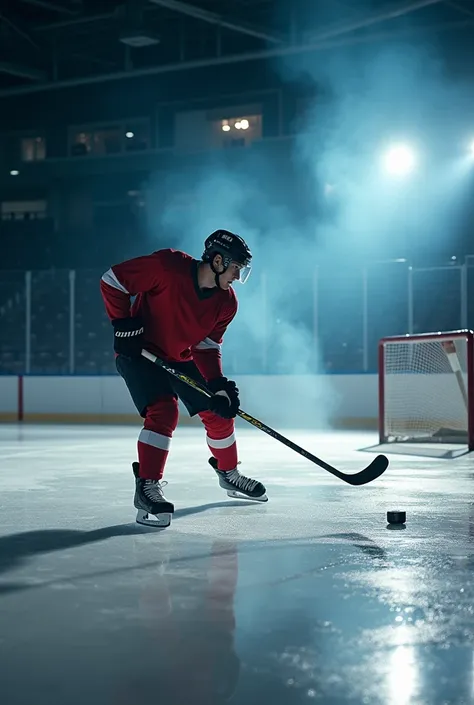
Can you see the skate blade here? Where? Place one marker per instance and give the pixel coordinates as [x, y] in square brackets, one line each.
[158, 521]
[236, 495]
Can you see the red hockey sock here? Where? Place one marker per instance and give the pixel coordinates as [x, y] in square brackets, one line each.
[221, 440]
[155, 437]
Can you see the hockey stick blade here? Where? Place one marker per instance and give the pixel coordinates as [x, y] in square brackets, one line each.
[376, 468]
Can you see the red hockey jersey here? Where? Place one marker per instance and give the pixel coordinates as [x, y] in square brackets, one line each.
[181, 321]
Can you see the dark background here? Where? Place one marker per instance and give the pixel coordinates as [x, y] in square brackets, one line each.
[324, 85]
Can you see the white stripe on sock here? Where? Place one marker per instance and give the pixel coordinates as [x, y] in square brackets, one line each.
[151, 438]
[221, 443]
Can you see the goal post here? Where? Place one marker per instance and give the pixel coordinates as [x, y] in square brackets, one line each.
[426, 388]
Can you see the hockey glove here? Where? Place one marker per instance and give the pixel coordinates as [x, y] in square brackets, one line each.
[128, 336]
[225, 400]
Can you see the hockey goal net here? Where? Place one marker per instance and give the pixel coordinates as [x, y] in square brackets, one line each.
[426, 388]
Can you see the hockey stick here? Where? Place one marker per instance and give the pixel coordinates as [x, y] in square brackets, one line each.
[378, 465]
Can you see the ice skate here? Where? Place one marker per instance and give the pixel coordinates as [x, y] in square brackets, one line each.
[153, 509]
[238, 486]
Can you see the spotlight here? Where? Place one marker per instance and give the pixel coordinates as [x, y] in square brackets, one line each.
[14, 172]
[244, 124]
[238, 125]
[129, 135]
[225, 127]
[399, 160]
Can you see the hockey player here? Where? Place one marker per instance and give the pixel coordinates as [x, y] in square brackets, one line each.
[181, 311]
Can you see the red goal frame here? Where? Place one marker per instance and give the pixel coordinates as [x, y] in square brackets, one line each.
[409, 338]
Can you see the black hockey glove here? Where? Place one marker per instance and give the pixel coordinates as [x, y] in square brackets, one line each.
[225, 400]
[128, 336]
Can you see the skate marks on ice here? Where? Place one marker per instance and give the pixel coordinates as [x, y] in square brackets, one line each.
[188, 609]
[347, 612]
[18, 548]
[308, 598]
[168, 616]
[167, 519]
[366, 622]
[182, 512]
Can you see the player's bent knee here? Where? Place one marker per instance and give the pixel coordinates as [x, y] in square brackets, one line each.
[163, 414]
[219, 427]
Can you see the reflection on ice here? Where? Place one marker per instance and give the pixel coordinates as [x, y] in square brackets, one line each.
[402, 675]
[306, 598]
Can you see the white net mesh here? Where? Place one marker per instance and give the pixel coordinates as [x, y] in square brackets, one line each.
[425, 390]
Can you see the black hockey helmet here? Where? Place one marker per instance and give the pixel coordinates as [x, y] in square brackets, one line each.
[232, 248]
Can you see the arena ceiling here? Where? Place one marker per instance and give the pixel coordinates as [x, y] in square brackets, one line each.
[48, 44]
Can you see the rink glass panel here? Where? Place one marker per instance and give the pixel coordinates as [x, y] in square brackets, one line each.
[50, 319]
[437, 299]
[387, 304]
[13, 298]
[93, 333]
[340, 319]
[326, 320]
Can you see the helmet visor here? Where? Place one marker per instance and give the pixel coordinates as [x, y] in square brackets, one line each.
[244, 271]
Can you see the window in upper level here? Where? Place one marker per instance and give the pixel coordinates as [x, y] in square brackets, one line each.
[24, 210]
[33, 149]
[104, 140]
[81, 144]
[238, 131]
[236, 126]
[100, 142]
[137, 135]
[107, 140]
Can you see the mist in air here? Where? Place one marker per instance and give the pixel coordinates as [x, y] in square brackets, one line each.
[301, 311]
[369, 97]
[273, 331]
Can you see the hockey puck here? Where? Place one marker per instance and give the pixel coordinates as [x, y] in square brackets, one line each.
[396, 517]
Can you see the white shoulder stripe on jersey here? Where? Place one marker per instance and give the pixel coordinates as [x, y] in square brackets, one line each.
[207, 344]
[110, 279]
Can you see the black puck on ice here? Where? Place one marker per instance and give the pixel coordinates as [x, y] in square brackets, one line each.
[396, 517]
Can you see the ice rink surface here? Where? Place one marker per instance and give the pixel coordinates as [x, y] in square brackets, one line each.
[308, 598]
